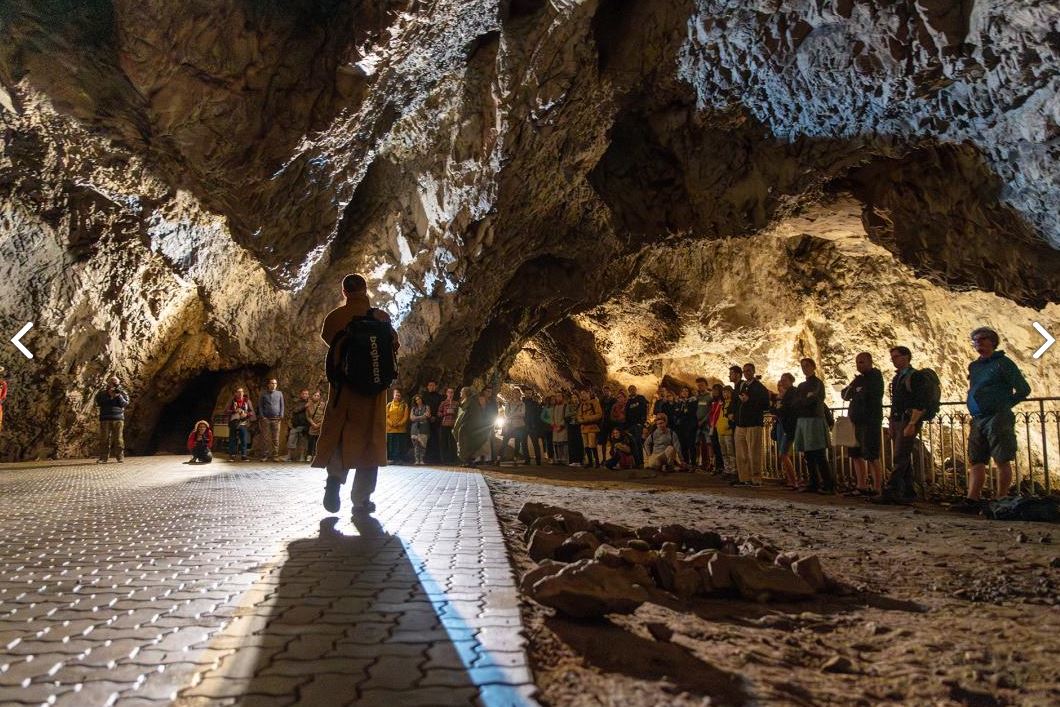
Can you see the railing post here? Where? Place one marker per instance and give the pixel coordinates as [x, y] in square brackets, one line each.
[1045, 445]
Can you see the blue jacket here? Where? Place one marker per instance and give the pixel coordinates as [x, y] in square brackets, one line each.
[112, 407]
[271, 404]
[994, 385]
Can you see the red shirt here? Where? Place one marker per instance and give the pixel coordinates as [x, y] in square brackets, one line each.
[192, 440]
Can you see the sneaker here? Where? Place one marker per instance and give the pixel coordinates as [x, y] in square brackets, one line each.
[737, 482]
[808, 489]
[889, 499]
[120, 460]
[575, 464]
[245, 458]
[968, 505]
[364, 508]
[101, 461]
[332, 500]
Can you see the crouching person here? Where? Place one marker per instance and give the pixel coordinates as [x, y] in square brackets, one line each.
[200, 443]
[621, 450]
[662, 449]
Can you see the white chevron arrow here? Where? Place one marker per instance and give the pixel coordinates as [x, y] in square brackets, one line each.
[16, 340]
[1049, 340]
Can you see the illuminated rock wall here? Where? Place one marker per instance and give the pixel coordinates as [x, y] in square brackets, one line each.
[182, 184]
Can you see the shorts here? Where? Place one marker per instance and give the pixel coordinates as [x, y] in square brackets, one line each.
[992, 436]
[784, 442]
[868, 437]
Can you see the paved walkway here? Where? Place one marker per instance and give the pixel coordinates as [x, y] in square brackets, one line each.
[154, 581]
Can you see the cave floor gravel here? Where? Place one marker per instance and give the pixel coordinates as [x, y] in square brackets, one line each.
[153, 581]
[940, 609]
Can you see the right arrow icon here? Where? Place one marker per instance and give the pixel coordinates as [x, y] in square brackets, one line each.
[1049, 340]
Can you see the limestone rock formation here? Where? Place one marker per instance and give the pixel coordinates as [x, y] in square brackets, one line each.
[182, 185]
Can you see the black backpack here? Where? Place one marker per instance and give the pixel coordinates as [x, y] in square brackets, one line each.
[928, 391]
[362, 356]
[1033, 508]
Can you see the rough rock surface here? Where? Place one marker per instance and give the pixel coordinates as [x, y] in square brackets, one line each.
[181, 184]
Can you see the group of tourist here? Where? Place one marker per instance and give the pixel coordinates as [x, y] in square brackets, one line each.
[714, 428]
[721, 429]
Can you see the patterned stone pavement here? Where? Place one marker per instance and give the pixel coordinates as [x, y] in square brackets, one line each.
[154, 581]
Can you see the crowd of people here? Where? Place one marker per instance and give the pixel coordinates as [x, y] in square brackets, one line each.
[711, 428]
[721, 429]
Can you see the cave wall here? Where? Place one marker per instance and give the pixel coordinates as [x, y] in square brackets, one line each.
[814, 285]
[182, 185]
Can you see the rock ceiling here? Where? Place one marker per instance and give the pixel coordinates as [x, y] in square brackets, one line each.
[182, 184]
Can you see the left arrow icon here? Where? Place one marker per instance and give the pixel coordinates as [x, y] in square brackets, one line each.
[17, 340]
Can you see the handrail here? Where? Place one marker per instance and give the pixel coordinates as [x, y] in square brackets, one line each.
[940, 456]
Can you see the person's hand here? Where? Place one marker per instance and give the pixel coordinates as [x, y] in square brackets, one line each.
[910, 430]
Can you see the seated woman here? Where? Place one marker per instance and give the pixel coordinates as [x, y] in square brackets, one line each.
[200, 443]
[621, 455]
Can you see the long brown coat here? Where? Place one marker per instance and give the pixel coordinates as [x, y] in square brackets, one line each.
[354, 421]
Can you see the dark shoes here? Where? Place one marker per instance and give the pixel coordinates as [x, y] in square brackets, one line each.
[887, 498]
[332, 502]
[363, 508]
[968, 505]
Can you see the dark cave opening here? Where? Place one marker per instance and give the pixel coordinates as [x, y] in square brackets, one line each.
[199, 399]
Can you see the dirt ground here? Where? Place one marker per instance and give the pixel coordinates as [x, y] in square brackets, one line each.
[940, 609]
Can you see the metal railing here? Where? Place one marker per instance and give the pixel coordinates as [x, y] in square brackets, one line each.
[940, 456]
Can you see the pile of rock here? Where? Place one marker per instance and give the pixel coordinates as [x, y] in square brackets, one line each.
[588, 568]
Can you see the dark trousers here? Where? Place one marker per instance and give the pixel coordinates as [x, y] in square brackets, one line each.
[238, 438]
[311, 448]
[819, 470]
[396, 446]
[575, 449]
[715, 443]
[687, 437]
[434, 443]
[446, 445]
[550, 447]
[901, 482]
[519, 435]
[201, 453]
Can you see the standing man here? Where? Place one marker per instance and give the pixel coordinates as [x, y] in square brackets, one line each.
[3, 394]
[447, 411]
[995, 386]
[865, 395]
[703, 445]
[111, 402]
[907, 412]
[271, 409]
[750, 428]
[636, 417]
[432, 398]
[240, 414]
[353, 434]
[298, 432]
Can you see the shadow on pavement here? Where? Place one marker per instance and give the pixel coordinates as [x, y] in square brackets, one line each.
[350, 621]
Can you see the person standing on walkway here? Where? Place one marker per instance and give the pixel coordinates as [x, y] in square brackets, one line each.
[433, 399]
[447, 411]
[271, 411]
[112, 402]
[419, 428]
[907, 411]
[298, 434]
[811, 429]
[397, 428]
[472, 429]
[865, 395]
[636, 418]
[240, 413]
[995, 386]
[784, 426]
[353, 434]
[3, 394]
[315, 415]
[750, 430]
